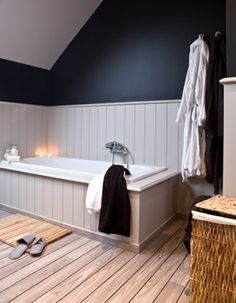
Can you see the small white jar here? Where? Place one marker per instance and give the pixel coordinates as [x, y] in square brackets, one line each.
[14, 150]
[6, 153]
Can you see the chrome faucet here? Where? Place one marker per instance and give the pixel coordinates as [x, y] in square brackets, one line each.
[118, 148]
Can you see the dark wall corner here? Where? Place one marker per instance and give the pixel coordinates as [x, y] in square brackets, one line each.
[23, 83]
[133, 51]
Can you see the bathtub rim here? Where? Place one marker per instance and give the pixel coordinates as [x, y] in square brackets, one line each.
[137, 186]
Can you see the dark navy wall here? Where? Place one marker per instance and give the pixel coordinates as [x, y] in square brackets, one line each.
[231, 34]
[133, 50]
[23, 83]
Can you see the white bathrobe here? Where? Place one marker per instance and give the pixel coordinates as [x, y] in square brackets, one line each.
[192, 111]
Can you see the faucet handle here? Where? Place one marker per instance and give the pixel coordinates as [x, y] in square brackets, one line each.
[109, 145]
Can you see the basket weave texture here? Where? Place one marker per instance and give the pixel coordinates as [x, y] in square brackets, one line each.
[222, 205]
[213, 261]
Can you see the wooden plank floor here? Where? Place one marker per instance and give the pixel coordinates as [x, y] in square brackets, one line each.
[77, 269]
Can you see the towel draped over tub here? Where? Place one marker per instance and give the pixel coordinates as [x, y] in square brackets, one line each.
[115, 210]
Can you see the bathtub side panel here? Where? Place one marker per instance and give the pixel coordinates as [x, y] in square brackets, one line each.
[67, 213]
[57, 200]
[157, 207]
[90, 221]
[79, 205]
[39, 196]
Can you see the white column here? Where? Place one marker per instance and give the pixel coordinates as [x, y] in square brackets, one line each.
[229, 168]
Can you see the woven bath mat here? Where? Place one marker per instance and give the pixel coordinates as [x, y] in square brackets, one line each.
[14, 227]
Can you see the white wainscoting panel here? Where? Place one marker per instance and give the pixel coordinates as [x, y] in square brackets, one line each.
[64, 202]
[51, 198]
[24, 125]
[148, 129]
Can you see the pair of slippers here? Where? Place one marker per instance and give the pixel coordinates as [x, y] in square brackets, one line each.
[35, 243]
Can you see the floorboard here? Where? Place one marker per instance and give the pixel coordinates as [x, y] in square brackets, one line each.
[184, 297]
[78, 269]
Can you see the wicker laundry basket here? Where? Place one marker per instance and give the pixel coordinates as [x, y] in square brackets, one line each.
[213, 252]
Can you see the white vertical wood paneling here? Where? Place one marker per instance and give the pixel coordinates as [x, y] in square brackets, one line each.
[30, 193]
[47, 198]
[38, 129]
[52, 133]
[67, 213]
[79, 205]
[181, 132]
[57, 202]
[101, 126]
[15, 190]
[6, 129]
[24, 125]
[129, 130]
[23, 132]
[70, 133]
[30, 132]
[72, 198]
[172, 137]
[8, 191]
[2, 178]
[89, 219]
[147, 129]
[39, 196]
[161, 135]
[139, 149]
[1, 185]
[149, 136]
[120, 124]
[93, 133]
[120, 130]
[52, 198]
[85, 132]
[55, 134]
[77, 131]
[110, 129]
[44, 126]
[15, 110]
[63, 131]
[22, 192]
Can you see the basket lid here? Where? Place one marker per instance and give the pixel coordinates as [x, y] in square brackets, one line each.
[219, 205]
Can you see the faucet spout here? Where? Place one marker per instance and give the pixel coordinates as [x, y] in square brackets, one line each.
[118, 148]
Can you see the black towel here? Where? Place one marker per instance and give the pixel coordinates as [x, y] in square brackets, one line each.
[115, 210]
[214, 112]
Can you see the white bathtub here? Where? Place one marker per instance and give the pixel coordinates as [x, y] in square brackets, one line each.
[75, 169]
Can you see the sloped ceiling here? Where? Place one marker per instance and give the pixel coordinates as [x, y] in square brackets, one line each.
[36, 32]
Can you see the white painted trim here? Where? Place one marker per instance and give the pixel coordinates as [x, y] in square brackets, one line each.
[95, 104]
[153, 180]
[22, 104]
[119, 103]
